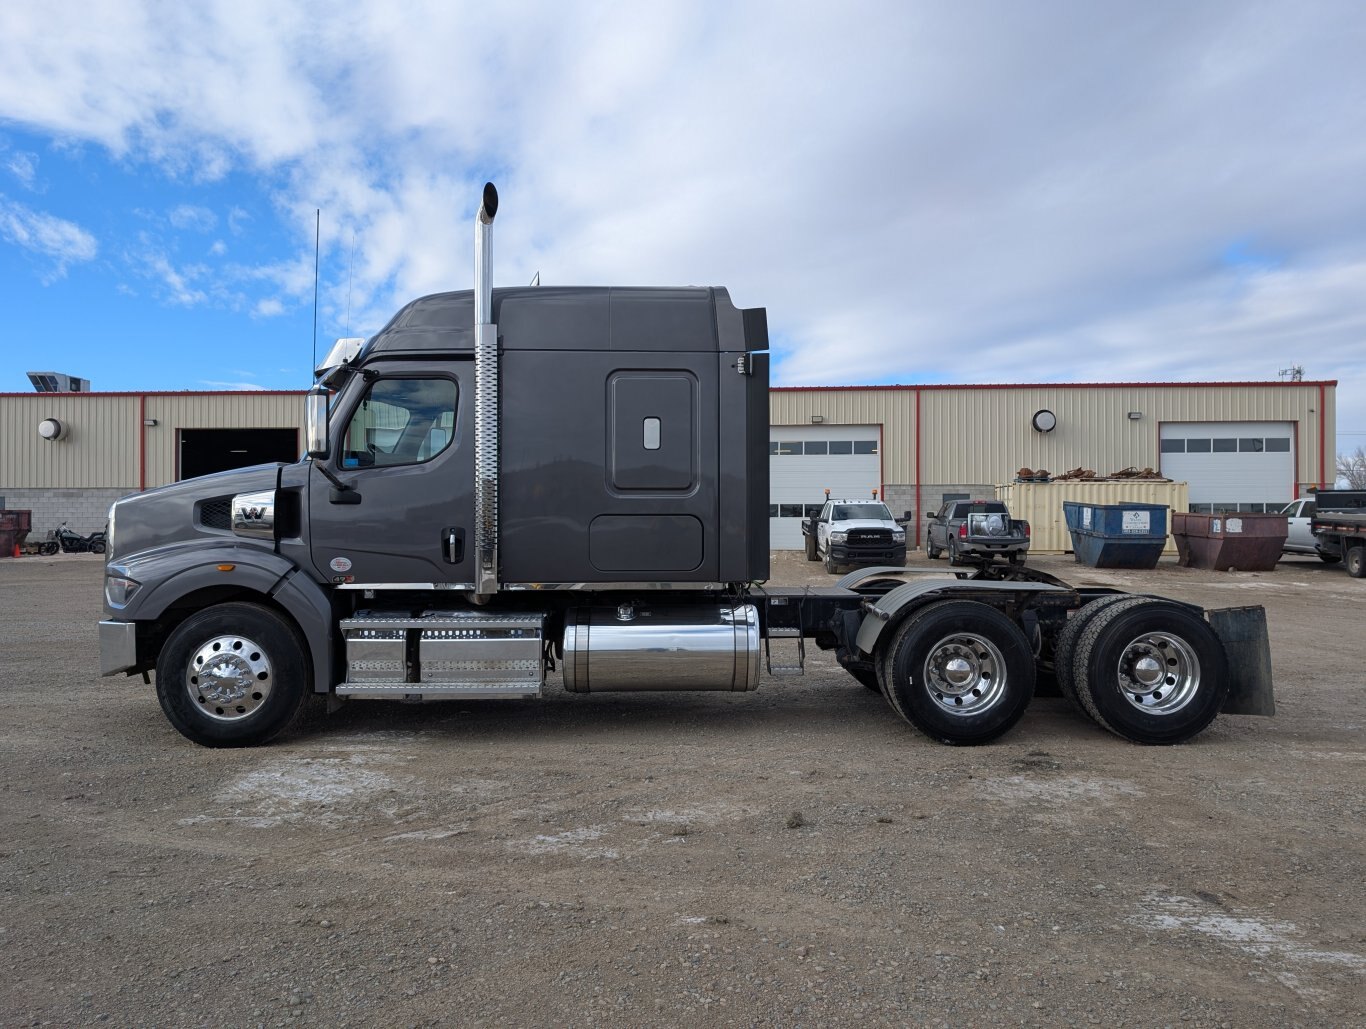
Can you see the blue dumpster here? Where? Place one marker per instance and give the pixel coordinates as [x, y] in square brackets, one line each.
[1117, 535]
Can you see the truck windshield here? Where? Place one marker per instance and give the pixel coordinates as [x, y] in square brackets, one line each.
[846, 512]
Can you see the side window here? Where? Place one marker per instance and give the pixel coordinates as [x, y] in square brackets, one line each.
[400, 421]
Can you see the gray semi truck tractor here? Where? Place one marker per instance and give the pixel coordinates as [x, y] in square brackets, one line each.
[503, 487]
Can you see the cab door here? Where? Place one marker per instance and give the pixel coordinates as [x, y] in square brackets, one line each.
[402, 447]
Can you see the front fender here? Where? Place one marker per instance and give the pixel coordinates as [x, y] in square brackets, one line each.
[169, 574]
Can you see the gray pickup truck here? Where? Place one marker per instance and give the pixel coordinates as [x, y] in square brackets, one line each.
[976, 530]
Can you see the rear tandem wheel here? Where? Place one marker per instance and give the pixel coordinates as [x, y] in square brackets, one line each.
[1150, 670]
[960, 671]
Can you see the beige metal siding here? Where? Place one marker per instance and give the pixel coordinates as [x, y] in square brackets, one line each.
[984, 434]
[894, 410]
[212, 411]
[1040, 504]
[97, 452]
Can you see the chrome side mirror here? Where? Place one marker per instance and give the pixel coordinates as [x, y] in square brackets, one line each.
[315, 418]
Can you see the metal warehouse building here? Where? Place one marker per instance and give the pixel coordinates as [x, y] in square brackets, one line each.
[1241, 446]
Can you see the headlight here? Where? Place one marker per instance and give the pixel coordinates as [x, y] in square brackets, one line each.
[109, 532]
[118, 590]
[838, 537]
[898, 535]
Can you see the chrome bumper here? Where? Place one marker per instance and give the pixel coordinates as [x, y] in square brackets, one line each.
[118, 647]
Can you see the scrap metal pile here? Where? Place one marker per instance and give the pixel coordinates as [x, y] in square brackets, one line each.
[1087, 475]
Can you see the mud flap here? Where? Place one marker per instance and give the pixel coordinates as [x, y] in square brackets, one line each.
[1242, 630]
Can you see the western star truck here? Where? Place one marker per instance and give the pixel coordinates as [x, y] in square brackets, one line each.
[502, 486]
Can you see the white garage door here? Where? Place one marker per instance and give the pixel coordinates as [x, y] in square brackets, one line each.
[806, 460]
[1232, 466]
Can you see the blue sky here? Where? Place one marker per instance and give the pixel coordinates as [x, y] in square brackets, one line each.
[917, 192]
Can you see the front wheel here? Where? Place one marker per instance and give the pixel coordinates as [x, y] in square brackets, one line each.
[959, 671]
[831, 566]
[1356, 561]
[233, 675]
[97, 547]
[931, 551]
[1150, 670]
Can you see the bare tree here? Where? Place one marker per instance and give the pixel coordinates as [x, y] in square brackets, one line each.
[1352, 469]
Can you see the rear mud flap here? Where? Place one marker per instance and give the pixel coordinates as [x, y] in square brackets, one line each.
[1242, 630]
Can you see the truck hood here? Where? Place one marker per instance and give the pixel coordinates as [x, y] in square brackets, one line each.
[863, 523]
[175, 513]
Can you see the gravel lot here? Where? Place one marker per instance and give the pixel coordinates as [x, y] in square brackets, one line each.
[794, 856]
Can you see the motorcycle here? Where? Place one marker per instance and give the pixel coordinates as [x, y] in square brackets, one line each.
[72, 542]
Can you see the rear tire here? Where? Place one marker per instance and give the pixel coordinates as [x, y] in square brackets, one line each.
[233, 675]
[1150, 671]
[954, 559]
[959, 671]
[1356, 561]
[1065, 648]
[811, 554]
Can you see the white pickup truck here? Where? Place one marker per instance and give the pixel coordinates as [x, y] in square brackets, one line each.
[854, 532]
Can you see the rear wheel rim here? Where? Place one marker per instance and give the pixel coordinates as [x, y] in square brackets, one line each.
[1159, 673]
[229, 677]
[965, 674]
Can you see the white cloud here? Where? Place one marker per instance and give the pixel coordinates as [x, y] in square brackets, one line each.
[24, 167]
[268, 308]
[228, 384]
[191, 216]
[219, 248]
[60, 241]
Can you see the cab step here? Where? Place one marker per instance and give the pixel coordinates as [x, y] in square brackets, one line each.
[783, 671]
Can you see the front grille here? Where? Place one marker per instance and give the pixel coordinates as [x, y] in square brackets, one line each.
[216, 513]
[870, 537]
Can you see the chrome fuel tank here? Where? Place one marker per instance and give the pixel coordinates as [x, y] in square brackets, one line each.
[635, 647]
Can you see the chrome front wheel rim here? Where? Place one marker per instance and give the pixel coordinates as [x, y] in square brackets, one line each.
[965, 674]
[1159, 673]
[229, 678]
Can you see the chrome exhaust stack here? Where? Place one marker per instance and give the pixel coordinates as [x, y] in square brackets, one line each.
[485, 402]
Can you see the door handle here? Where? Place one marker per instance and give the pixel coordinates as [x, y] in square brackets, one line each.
[453, 541]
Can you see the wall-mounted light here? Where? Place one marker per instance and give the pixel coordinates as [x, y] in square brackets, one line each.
[51, 430]
[816, 419]
[151, 423]
[1135, 415]
[1044, 420]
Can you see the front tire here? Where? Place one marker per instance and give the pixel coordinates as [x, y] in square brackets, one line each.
[959, 671]
[931, 551]
[233, 675]
[1150, 671]
[831, 566]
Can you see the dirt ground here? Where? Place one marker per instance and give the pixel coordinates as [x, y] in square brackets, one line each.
[793, 856]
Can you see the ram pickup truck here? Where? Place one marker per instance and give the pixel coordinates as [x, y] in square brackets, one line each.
[849, 533]
[976, 530]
